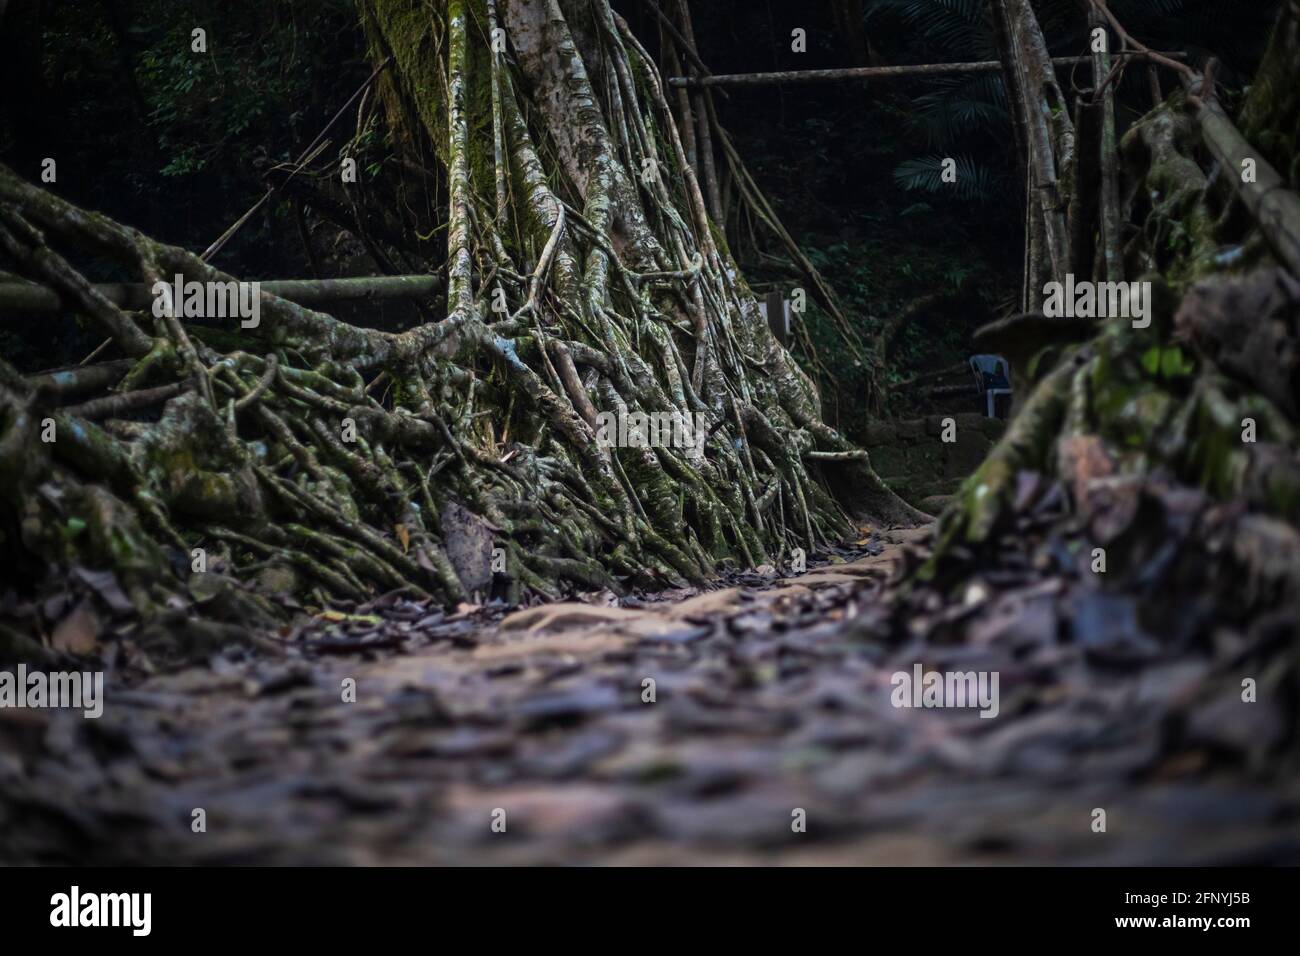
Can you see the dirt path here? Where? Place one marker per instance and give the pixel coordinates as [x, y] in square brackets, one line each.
[769, 699]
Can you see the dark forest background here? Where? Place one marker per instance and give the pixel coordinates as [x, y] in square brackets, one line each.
[178, 143]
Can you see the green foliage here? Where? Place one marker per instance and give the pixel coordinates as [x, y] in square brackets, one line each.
[134, 102]
[947, 25]
[964, 110]
[1170, 362]
[971, 111]
[960, 105]
[974, 181]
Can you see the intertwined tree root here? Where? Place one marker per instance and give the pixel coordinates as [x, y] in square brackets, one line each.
[478, 428]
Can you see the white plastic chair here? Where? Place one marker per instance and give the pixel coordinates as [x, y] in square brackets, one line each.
[983, 365]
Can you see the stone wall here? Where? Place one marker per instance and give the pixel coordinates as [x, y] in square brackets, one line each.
[912, 457]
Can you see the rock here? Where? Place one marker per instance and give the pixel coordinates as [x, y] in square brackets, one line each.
[934, 504]
[467, 540]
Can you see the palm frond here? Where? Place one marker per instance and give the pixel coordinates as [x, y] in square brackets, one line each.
[975, 182]
[960, 105]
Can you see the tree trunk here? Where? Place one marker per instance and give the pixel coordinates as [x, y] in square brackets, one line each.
[1109, 159]
[1043, 115]
[849, 17]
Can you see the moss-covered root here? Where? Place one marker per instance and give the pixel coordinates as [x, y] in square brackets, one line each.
[1027, 444]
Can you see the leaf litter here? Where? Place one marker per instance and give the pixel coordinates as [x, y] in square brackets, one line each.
[771, 692]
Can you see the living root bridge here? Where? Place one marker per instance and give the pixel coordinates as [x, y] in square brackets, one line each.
[316, 457]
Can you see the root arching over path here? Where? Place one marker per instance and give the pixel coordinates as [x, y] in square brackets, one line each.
[583, 275]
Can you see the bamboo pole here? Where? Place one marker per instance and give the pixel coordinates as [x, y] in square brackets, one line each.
[876, 72]
[1110, 215]
[33, 299]
[685, 115]
[688, 48]
[1153, 80]
[308, 154]
[1085, 218]
[705, 139]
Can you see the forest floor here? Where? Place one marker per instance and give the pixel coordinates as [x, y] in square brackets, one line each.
[771, 696]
